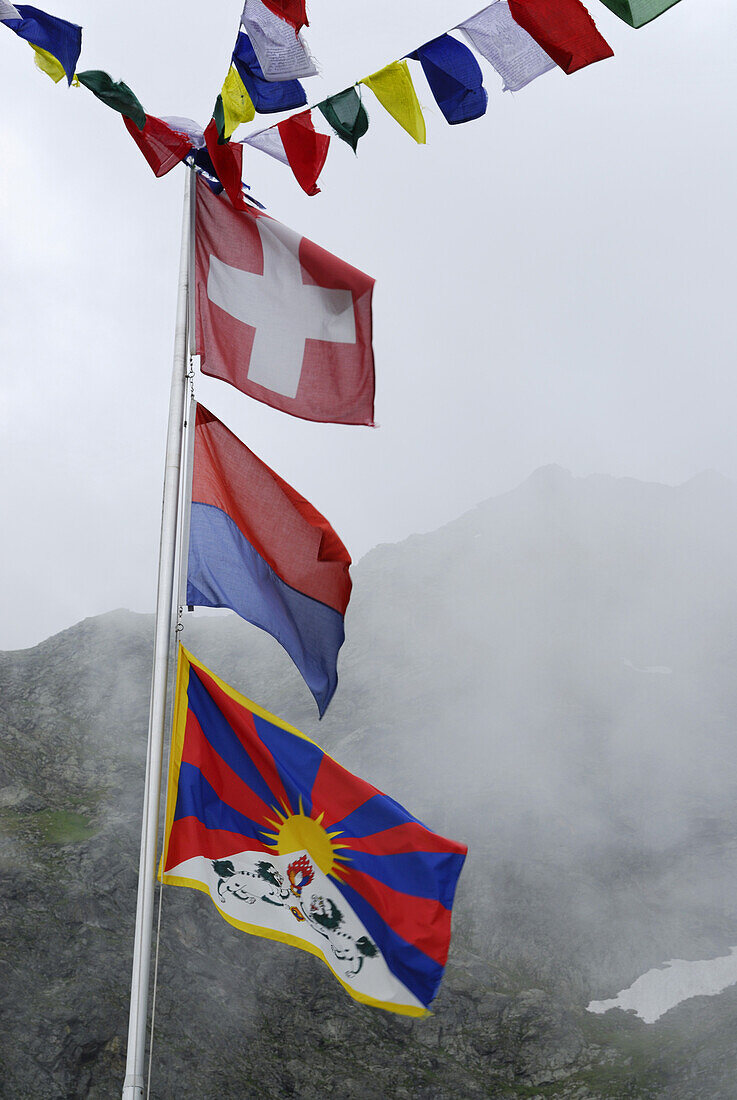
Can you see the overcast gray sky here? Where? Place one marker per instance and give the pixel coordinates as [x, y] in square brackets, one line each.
[555, 283]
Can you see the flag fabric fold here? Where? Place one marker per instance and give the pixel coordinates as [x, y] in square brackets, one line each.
[267, 96]
[455, 78]
[47, 33]
[347, 116]
[638, 12]
[162, 146]
[259, 548]
[114, 94]
[395, 91]
[280, 318]
[293, 847]
[564, 29]
[511, 51]
[280, 51]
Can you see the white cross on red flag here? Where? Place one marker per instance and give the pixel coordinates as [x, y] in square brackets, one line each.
[280, 318]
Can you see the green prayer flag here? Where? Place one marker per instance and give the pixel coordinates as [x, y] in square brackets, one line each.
[347, 115]
[638, 12]
[116, 95]
[219, 115]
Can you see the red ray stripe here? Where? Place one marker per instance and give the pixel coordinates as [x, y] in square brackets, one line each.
[410, 837]
[338, 792]
[420, 921]
[190, 838]
[241, 721]
[221, 777]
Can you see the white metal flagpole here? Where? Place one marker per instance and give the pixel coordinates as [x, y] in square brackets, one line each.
[135, 1059]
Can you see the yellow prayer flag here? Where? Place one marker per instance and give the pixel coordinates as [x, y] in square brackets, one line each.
[237, 105]
[395, 91]
[47, 63]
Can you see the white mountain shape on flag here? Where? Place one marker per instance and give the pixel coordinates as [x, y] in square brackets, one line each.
[284, 310]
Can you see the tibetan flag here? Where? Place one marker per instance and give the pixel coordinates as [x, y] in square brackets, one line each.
[347, 115]
[638, 12]
[455, 79]
[51, 37]
[259, 548]
[267, 96]
[280, 318]
[564, 29]
[291, 846]
[514, 54]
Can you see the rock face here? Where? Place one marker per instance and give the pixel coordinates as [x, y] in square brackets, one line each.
[551, 679]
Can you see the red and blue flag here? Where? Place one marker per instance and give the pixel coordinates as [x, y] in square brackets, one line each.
[292, 846]
[259, 548]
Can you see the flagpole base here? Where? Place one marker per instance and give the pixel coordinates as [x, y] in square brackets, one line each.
[133, 1087]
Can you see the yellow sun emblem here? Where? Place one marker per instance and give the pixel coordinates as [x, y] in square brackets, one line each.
[298, 832]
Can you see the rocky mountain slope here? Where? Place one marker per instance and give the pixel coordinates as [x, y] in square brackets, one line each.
[549, 678]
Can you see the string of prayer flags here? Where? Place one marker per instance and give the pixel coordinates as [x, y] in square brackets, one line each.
[564, 29]
[114, 94]
[236, 104]
[281, 53]
[346, 114]
[227, 162]
[162, 146]
[455, 78]
[510, 50]
[259, 548]
[52, 39]
[638, 12]
[293, 11]
[267, 96]
[395, 91]
[281, 319]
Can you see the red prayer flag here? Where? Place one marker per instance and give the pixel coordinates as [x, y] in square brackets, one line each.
[564, 29]
[293, 11]
[305, 149]
[280, 318]
[227, 160]
[162, 147]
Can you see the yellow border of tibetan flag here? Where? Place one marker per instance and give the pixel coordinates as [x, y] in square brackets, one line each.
[184, 661]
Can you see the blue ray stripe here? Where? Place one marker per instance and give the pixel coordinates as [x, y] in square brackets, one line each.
[376, 814]
[224, 570]
[196, 798]
[224, 740]
[431, 875]
[413, 967]
[296, 760]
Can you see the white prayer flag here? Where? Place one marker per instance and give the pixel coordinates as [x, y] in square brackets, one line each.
[280, 52]
[8, 11]
[514, 53]
[269, 141]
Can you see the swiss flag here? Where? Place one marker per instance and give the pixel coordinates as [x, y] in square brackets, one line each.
[280, 318]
